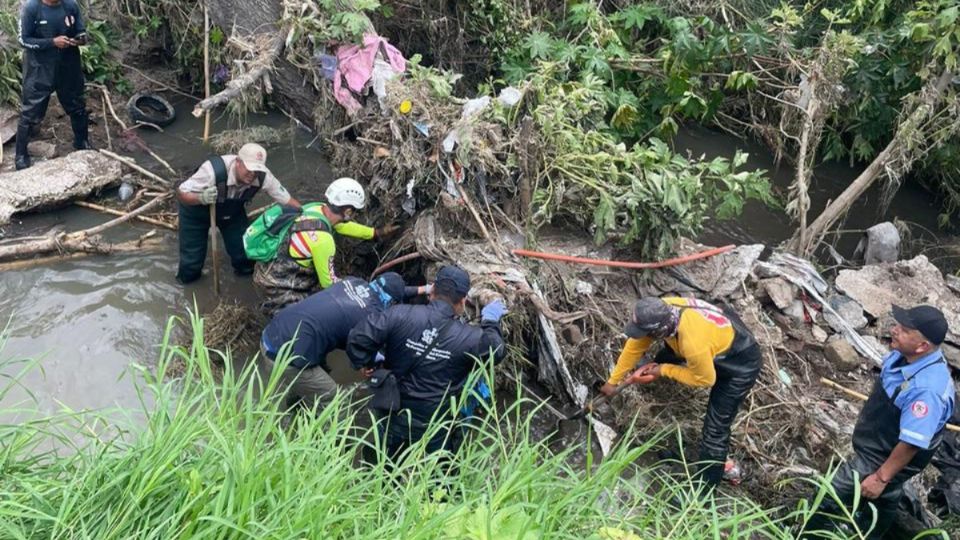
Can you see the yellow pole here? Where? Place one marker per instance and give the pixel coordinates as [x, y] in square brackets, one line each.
[206, 69]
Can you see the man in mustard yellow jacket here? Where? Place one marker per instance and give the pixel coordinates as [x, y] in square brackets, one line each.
[706, 347]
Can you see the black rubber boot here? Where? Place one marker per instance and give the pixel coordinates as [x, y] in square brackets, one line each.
[81, 138]
[22, 159]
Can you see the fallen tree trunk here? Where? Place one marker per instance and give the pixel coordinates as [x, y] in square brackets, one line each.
[264, 63]
[899, 150]
[147, 242]
[86, 240]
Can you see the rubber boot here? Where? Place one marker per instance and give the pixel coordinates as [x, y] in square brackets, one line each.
[81, 138]
[22, 159]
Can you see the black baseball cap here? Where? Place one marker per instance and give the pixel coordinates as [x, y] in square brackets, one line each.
[392, 284]
[651, 315]
[927, 320]
[452, 281]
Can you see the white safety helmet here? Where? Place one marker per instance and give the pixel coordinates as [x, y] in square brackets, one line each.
[346, 192]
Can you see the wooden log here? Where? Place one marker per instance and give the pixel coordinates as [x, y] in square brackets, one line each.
[105, 210]
[854, 394]
[140, 245]
[235, 87]
[129, 162]
[86, 240]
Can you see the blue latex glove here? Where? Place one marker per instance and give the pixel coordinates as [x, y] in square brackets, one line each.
[493, 311]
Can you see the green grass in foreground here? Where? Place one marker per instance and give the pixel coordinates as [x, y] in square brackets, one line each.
[211, 461]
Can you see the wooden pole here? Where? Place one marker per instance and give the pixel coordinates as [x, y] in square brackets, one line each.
[206, 69]
[215, 250]
[861, 397]
[111, 211]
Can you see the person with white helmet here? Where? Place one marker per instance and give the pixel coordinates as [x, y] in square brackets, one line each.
[229, 182]
[307, 263]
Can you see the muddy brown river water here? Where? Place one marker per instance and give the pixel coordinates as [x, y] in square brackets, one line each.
[86, 321]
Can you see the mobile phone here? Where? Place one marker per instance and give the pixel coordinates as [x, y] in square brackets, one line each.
[80, 38]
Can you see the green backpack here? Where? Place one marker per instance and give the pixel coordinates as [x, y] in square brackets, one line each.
[262, 239]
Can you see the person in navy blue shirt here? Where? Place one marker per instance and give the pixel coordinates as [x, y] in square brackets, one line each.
[51, 33]
[307, 331]
[900, 426]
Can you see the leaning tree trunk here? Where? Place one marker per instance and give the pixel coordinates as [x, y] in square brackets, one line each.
[248, 18]
[292, 89]
[898, 153]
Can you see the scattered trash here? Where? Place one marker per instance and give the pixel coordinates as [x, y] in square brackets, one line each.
[732, 473]
[785, 377]
[423, 128]
[509, 96]
[152, 109]
[405, 106]
[328, 65]
[474, 106]
[584, 288]
[381, 152]
[126, 191]
[358, 64]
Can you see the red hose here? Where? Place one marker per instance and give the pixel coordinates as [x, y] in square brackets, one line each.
[399, 260]
[625, 264]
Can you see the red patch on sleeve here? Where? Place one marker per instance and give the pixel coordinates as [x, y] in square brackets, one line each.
[919, 409]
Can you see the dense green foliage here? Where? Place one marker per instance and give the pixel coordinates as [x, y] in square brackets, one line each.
[743, 66]
[209, 459]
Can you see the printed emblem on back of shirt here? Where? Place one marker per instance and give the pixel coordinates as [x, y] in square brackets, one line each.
[919, 409]
[429, 335]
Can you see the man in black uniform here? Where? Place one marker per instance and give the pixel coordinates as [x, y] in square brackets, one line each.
[431, 353]
[230, 182]
[310, 329]
[51, 32]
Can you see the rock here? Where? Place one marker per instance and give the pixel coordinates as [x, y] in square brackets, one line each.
[951, 354]
[905, 283]
[953, 282]
[781, 292]
[880, 244]
[55, 181]
[848, 309]
[819, 334]
[720, 276]
[42, 149]
[8, 123]
[842, 355]
[795, 310]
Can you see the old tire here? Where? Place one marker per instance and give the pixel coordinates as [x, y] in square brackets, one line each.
[152, 109]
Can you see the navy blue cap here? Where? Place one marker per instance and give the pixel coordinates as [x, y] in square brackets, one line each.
[927, 320]
[452, 281]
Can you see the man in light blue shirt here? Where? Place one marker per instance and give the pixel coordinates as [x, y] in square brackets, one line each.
[901, 424]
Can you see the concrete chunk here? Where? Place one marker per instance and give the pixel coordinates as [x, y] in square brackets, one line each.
[55, 181]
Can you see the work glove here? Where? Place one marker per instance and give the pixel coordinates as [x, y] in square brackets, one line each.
[493, 311]
[379, 358]
[208, 195]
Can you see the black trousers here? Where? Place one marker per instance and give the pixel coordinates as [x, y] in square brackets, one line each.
[46, 72]
[400, 430]
[194, 229]
[736, 375]
[844, 483]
